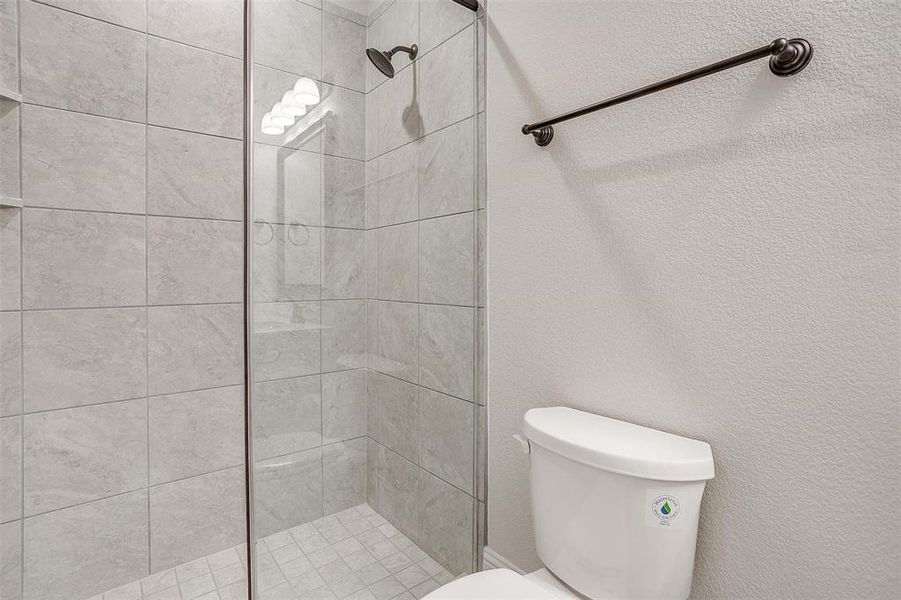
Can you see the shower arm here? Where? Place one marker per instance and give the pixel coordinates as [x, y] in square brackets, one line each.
[787, 57]
[407, 49]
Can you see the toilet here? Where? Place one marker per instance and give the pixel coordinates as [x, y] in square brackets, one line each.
[615, 511]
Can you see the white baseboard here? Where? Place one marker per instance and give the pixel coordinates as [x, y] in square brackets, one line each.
[493, 560]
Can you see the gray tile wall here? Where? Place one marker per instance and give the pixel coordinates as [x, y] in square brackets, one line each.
[423, 280]
[121, 408]
[11, 505]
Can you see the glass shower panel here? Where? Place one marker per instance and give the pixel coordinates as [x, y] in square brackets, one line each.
[121, 298]
[368, 305]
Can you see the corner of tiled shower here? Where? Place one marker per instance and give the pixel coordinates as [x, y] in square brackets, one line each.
[374, 331]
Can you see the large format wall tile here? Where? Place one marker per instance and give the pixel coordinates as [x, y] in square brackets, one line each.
[287, 491]
[358, 11]
[343, 262]
[446, 438]
[194, 175]
[343, 335]
[397, 188]
[372, 263]
[343, 475]
[345, 127]
[373, 76]
[397, 416]
[343, 52]
[129, 13]
[343, 405]
[194, 347]
[373, 144]
[371, 193]
[195, 517]
[77, 161]
[10, 363]
[11, 560]
[446, 260]
[213, 25]
[101, 70]
[286, 340]
[287, 186]
[399, 118]
[286, 263]
[10, 186]
[195, 433]
[374, 457]
[398, 491]
[194, 261]
[445, 523]
[288, 36]
[287, 416]
[81, 551]
[62, 251]
[10, 258]
[446, 347]
[77, 357]
[194, 89]
[447, 86]
[10, 468]
[398, 262]
[372, 333]
[439, 20]
[446, 171]
[9, 46]
[398, 334]
[343, 194]
[81, 454]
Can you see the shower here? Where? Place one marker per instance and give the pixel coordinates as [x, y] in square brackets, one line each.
[382, 59]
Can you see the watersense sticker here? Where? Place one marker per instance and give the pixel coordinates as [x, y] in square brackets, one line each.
[663, 510]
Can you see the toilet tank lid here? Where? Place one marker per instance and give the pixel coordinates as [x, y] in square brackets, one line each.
[618, 446]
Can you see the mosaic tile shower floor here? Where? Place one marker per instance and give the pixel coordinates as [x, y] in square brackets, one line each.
[354, 554]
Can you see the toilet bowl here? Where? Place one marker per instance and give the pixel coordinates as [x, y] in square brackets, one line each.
[504, 584]
[615, 510]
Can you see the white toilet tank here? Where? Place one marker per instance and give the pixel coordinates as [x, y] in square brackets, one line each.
[615, 505]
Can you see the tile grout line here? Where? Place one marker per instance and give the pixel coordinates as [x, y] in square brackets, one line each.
[145, 214]
[130, 399]
[131, 491]
[128, 121]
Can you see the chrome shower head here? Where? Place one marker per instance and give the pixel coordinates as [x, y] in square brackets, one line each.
[382, 59]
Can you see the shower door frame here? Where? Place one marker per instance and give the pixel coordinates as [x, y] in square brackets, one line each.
[248, 298]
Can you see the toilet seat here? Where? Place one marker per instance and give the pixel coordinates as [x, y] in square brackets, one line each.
[496, 584]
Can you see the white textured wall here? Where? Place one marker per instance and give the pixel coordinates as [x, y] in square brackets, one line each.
[720, 260]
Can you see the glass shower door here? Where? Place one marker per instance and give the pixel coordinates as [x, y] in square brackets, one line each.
[367, 400]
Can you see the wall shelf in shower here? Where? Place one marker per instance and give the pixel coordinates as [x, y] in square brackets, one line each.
[11, 96]
[6, 202]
